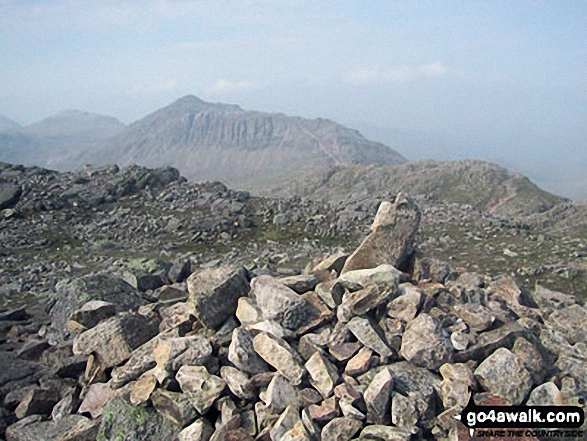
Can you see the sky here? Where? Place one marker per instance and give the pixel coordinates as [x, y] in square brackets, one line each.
[504, 81]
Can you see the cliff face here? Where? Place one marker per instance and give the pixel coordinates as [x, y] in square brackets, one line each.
[246, 149]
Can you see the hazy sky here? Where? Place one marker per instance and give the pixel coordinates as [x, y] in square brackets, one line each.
[498, 80]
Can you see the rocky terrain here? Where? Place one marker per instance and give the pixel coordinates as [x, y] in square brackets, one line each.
[142, 306]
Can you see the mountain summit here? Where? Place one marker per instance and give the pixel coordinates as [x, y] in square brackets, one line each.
[246, 149]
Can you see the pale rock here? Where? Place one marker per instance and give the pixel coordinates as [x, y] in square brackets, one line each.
[279, 394]
[547, 394]
[381, 275]
[280, 355]
[457, 383]
[325, 411]
[364, 331]
[360, 363]
[95, 399]
[341, 429]
[278, 302]
[113, 340]
[201, 387]
[297, 433]
[142, 389]
[331, 293]
[405, 305]
[504, 374]
[37, 402]
[174, 352]
[387, 433]
[286, 421]
[238, 382]
[392, 236]
[425, 343]
[242, 354]
[200, 430]
[324, 375]
[247, 312]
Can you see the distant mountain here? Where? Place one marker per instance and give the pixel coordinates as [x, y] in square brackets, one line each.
[484, 185]
[50, 142]
[8, 124]
[245, 149]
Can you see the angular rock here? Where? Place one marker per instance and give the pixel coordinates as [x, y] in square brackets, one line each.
[547, 394]
[504, 374]
[122, 419]
[405, 305]
[360, 363]
[214, 293]
[279, 394]
[476, 316]
[330, 292]
[72, 295]
[140, 361]
[341, 429]
[278, 302]
[570, 322]
[297, 433]
[381, 275]
[280, 355]
[377, 398]
[324, 375]
[200, 386]
[179, 272]
[457, 383]
[174, 406]
[96, 397]
[386, 433]
[301, 283]
[362, 301]
[69, 428]
[489, 341]
[548, 299]
[286, 421]
[325, 411]
[238, 382]
[174, 352]
[532, 359]
[391, 239]
[200, 430]
[366, 334]
[242, 354]
[425, 343]
[142, 389]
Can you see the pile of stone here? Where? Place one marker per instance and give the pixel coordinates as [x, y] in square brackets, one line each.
[380, 344]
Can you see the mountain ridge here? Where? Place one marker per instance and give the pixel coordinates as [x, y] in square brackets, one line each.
[247, 149]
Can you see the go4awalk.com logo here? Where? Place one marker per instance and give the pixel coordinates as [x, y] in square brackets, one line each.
[524, 421]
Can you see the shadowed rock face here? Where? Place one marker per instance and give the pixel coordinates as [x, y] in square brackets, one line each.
[245, 149]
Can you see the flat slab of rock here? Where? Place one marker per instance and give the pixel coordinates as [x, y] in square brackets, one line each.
[384, 274]
[391, 239]
[324, 375]
[113, 340]
[570, 322]
[341, 429]
[378, 398]
[214, 293]
[91, 313]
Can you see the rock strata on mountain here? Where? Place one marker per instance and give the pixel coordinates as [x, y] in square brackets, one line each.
[374, 353]
[245, 149]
